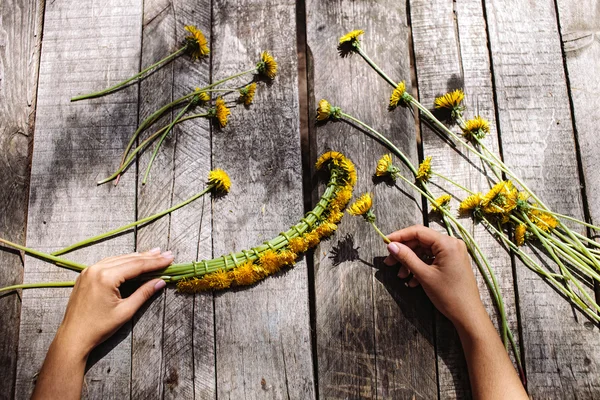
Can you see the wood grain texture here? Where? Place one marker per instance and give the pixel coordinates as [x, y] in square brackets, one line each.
[561, 346]
[374, 335]
[580, 31]
[20, 38]
[451, 53]
[262, 333]
[85, 47]
[165, 363]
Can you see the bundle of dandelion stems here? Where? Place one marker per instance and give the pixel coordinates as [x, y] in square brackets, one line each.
[512, 206]
[327, 112]
[196, 45]
[248, 266]
[266, 66]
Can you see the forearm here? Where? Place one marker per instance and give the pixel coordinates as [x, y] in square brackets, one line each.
[61, 376]
[491, 372]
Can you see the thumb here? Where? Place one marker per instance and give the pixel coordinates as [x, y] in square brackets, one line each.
[141, 295]
[408, 258]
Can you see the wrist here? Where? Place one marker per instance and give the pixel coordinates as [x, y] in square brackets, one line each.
[71, 345]
[473, 323]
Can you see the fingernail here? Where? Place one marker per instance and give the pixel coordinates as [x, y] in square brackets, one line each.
[155, 250]
[167, 254]
[406, 284]
[393, 248]
[159, 285]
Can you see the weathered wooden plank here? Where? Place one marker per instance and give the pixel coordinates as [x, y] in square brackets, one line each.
[163, 354]
[451, 53]
[537, 140]
[75, 145]
[262, 333]
[374, 335]
[20, 37]
[579, 30]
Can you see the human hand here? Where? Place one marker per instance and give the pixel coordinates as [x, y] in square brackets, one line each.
[96, 310]
[448, 281]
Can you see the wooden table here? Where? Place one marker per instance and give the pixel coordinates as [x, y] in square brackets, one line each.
[340, 324]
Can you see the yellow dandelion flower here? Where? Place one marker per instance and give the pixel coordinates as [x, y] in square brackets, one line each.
[267, 65]
[269, 261]
[335, 216]
[450, 100]
[219, 280]
[470, 204]
[441, 202]
[202, 96]
[325, 111]
[247, 94]
[221, 112]
[362, 205]
[194, 285]
[385, 167]
[384, 163]
[297, 245]
[476, 128]
[351, 36]
[220, 180]
[327, 156]
[424, 172]
[520, 234]
[326, 229]
[341, 199]
[502, 198]
[196, 42]
[350, 169]
[245, 274]
[398, 96]
[311, 239]
[287, 257]
[544, 221]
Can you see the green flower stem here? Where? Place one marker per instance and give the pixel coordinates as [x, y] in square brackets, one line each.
[385, 140]
[531, 264]
[385, 239]
[360, 51]
[452, 182]
[48, 257]
[164, 135]
[564, 270]
[143, 145]
[154, 116]
[133, 224]
[177, 272]
[136, 76]
[580, 261]
[38, 285]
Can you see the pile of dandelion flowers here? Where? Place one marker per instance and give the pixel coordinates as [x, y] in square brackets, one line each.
[195, 44]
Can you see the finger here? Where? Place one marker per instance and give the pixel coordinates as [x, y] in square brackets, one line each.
[133, 303]
[414, 282]
[390, 260]
[408, 258]
[403, 272]
[141, 265]
[125, 258]
[419, 233]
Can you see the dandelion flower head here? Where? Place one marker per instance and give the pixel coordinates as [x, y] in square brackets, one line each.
[220, 180]
[196, 42]
[247, 93]
[267, 65]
